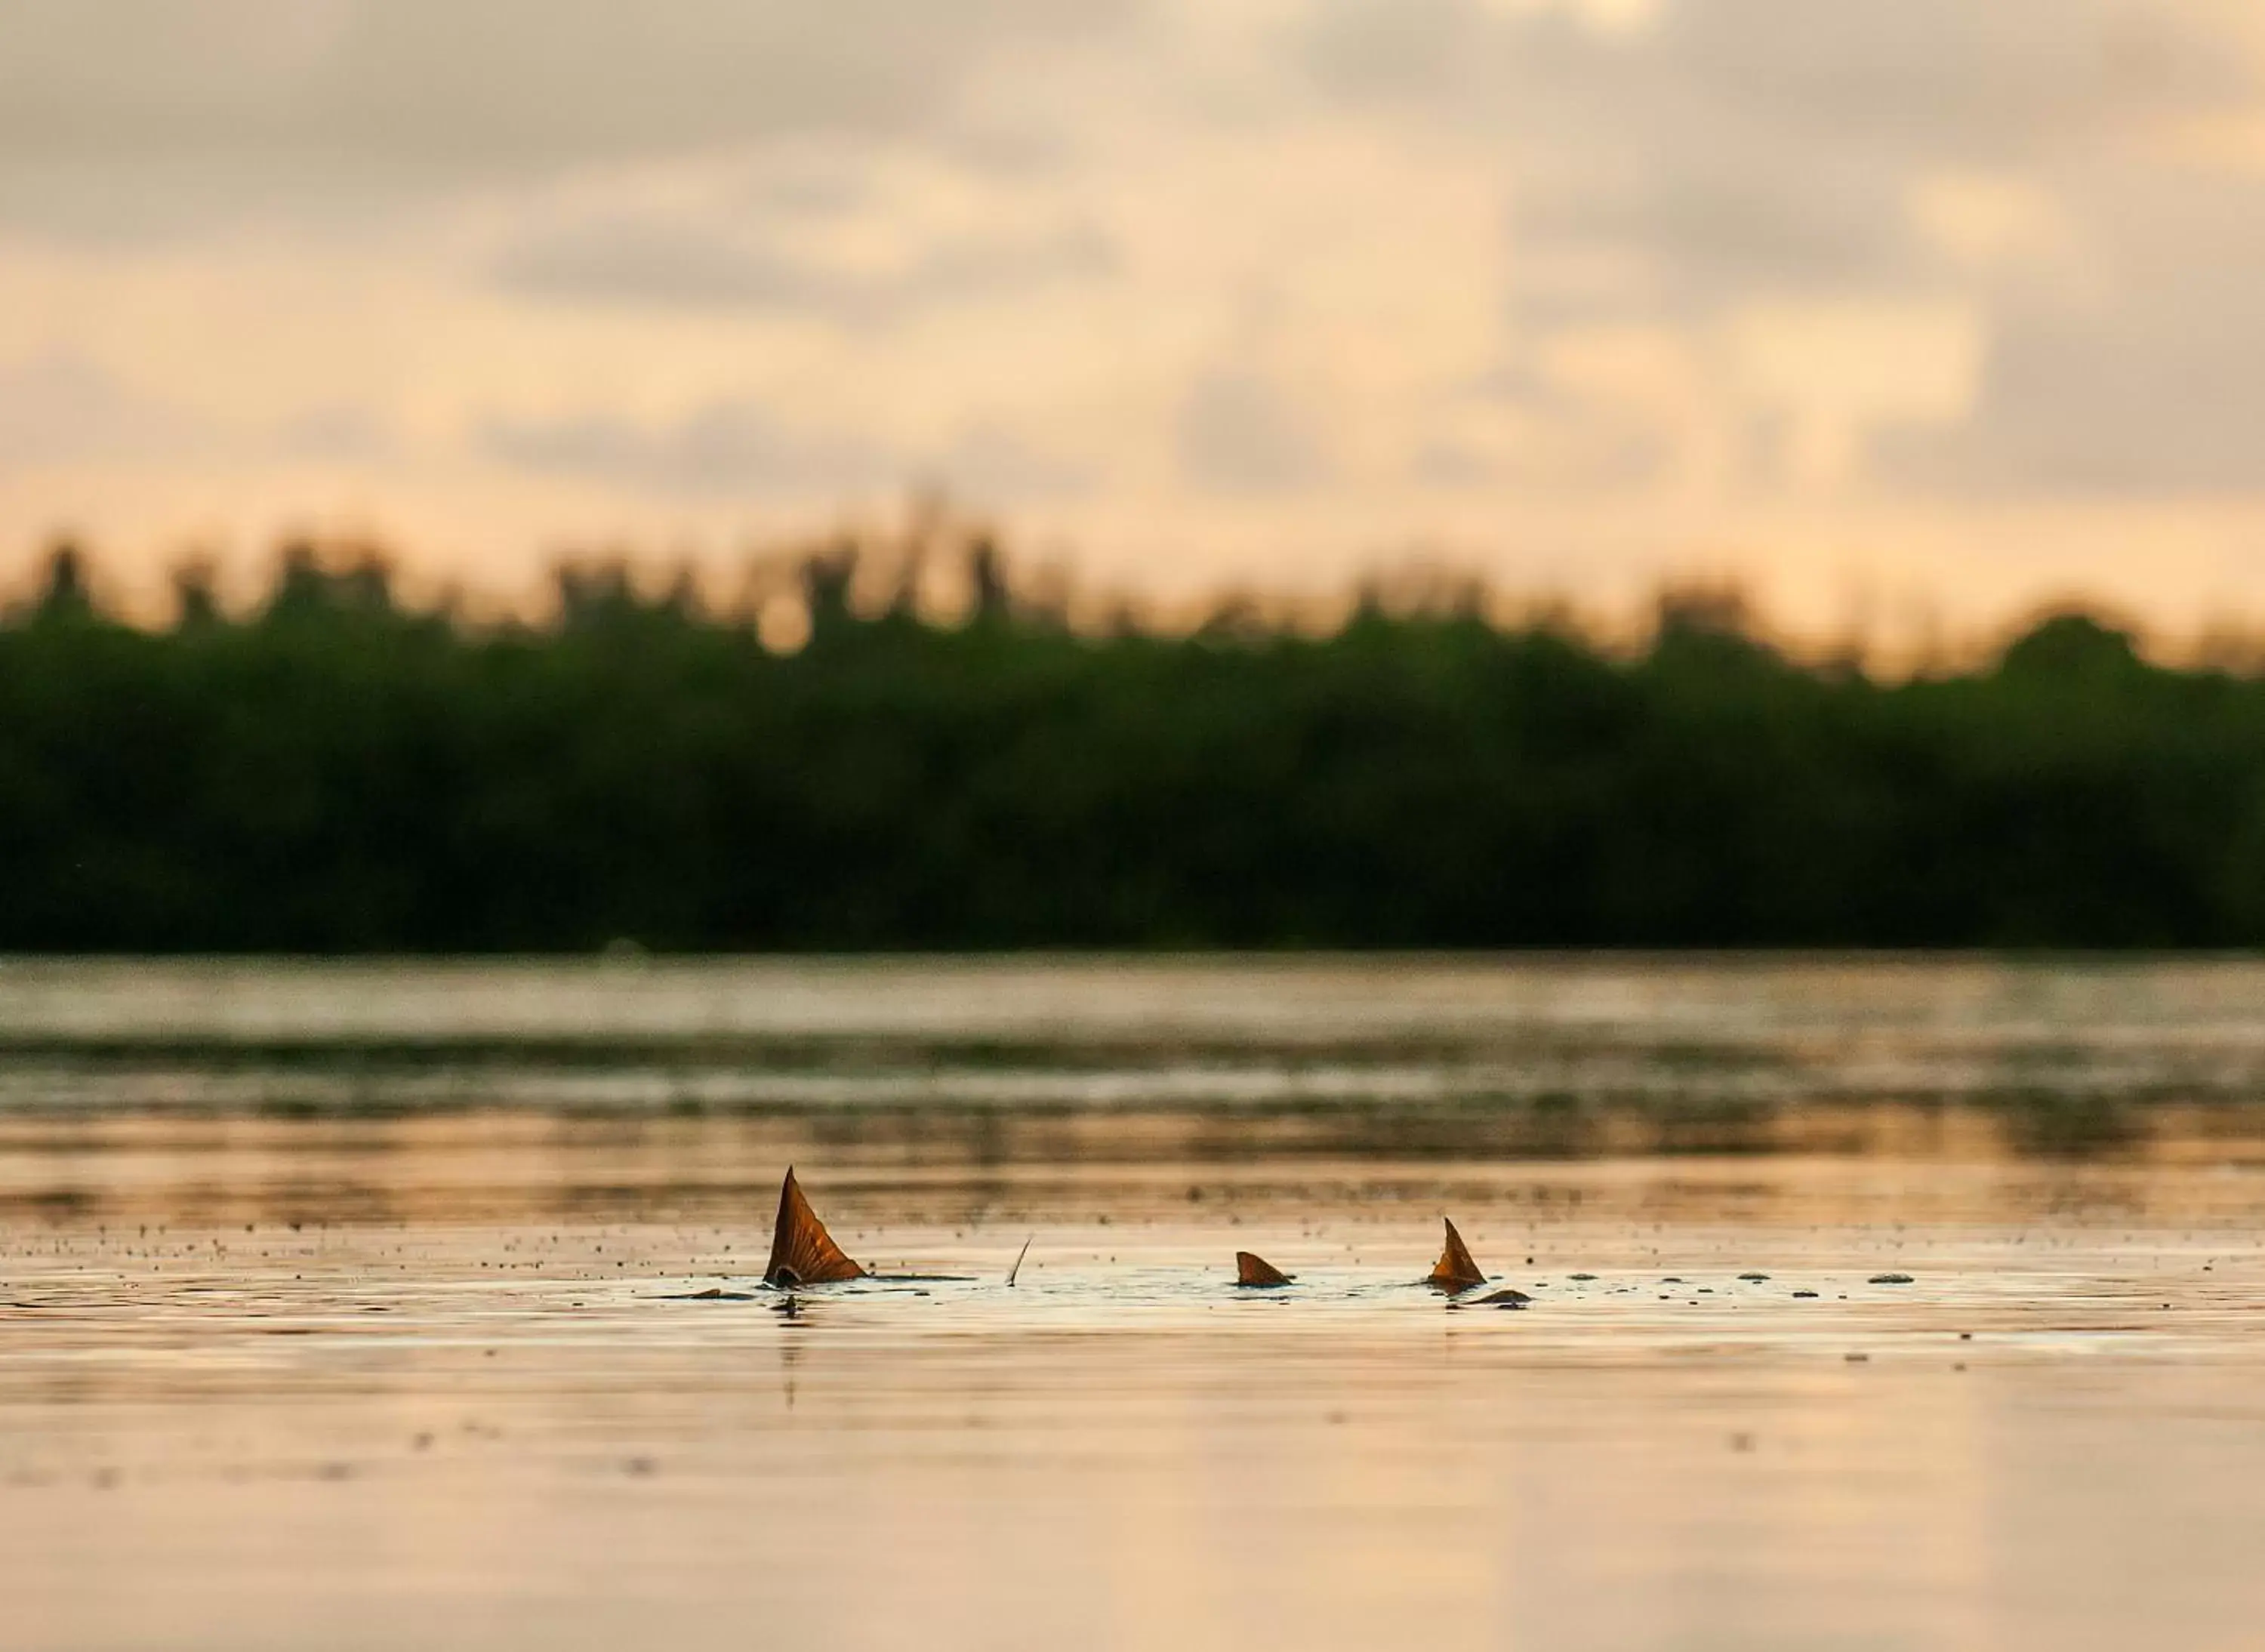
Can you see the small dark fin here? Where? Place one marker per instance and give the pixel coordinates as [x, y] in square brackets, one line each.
[1455, 1271]
[1491, 1300]
[1256, 1270]
[1019, 1255]
[802, 1251]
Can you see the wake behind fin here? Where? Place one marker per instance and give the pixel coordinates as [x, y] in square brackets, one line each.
[802, 1251]
[1256, 1272]
[1455, 1270]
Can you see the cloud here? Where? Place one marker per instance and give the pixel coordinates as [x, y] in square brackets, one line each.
[1239, 433]
[741, 448]
[992, 463]
[64, 410]
[1926, 77]
[1734, 144]
[61, 409]
[2019, 163]
[2150, 379]
[338, 432]
[290, 103]
[1704, 233]
[1648, 274]
[1568, 452]
[650, 261]
[690, 263]
[726, 447]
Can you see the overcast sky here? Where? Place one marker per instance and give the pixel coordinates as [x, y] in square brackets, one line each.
[1957, 303]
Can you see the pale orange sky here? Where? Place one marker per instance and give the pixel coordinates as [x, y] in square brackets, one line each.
[1920, 312]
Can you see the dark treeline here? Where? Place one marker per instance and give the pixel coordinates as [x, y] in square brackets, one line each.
[331, 770]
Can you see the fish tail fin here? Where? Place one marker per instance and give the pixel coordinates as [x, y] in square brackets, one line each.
[1455, 1270]
[802, 1251]
[1256, 1270]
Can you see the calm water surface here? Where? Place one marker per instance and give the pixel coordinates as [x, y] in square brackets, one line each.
[360, 1307]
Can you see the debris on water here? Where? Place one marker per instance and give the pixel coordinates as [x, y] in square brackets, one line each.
[1672, 1279]
[1857, 1359]
[1889, 1279]
[713, 1293]
[1755, 1278]
[1805, 1293]
[1580, 1278]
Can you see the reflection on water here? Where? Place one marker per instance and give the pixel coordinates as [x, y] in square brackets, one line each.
[1556, 1057]
[353, 1307]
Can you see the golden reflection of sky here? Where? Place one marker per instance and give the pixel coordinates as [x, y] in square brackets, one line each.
[1912, 314]
[506, 1434]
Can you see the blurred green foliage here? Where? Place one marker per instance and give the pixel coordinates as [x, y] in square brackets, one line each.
[334, 771]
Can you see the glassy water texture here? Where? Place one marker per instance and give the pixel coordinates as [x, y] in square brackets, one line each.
[363, 1307]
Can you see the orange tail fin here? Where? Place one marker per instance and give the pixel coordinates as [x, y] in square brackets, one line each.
[802, 1251]
[1456, 1271]
[1256, 1270]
